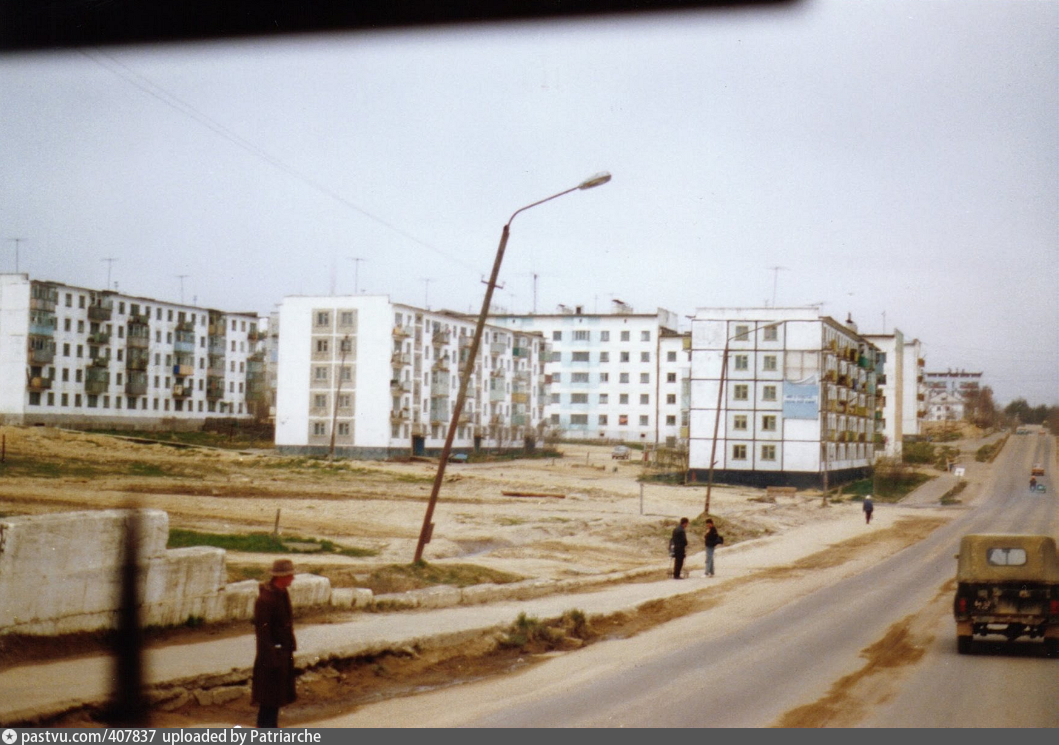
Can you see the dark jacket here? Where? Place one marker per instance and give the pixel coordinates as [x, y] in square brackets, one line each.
[713, 538]
[868, 506]
[273, 683]
[679, 541]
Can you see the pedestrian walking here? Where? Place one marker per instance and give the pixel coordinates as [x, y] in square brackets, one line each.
[678, 545]
[273, 682]
[868, 509]
[713, 540]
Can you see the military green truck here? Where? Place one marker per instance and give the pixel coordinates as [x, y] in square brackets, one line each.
[1007, 585]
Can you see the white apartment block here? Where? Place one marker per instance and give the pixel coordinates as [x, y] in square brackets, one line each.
[798, 406]
[380, 379]
[614, 377]
[947, 392]
[915, 399]
[77, 357]
[891, 389]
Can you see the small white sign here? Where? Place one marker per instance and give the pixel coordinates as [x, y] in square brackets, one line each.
[959, 471]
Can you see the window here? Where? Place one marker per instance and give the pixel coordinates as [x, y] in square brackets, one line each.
[741, 335]
[343, 428]
[323, 318]
[671, 398]
[671, 356]
[320, 401]
[770, 333]
[644, 420]
[579, 419]
[738, 452]
[604, 356]
[556, 357]
[1006, 557]
[555, 398]
[346, 318]
[645, 356]
[671, 420]
[645, 377]
[319, 373]
[557, 336]
[604, 336]
[741, 392]
[319, 428]
[623, 378]
[579, 398]
[739, 422]
[579, 377]
[742, 362]
[581, 335]
[624, 356]
[671, 377]
[768, 452]
[768, 393]
[623, 420]
[645, 336]
[347, 374]
[604, 377]
[768, 423]
[623, 398]
[604, 398]
[321, 345]
[768, 363]
[645, 399]
[603, 419]
[579, 357]
[625, 336]
[557, 377]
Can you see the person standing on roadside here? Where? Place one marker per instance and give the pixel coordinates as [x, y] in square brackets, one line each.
[273, 681]
[868, 509]
[679, 542]
[713, 540]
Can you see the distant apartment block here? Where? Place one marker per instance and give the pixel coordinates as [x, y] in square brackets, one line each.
[620, 376]
[799, 405]
[947, 393]
[370, 378]
[77, 357]
[914, 404]
[890, 389]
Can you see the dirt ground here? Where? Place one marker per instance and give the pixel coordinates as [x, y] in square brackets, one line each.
[600, 523]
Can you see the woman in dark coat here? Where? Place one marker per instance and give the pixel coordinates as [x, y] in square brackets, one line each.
[273, 682]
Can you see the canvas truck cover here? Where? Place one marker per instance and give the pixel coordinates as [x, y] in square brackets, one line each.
[1015, 558]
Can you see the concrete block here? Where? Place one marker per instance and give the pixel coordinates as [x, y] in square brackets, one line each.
[363, 597]
[196, 572]
[308, 590]
[342, 597]
[397, 600]
[484, 593]
[442, 596]
[234, 603]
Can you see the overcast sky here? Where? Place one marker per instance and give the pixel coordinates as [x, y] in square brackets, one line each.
[899, 160]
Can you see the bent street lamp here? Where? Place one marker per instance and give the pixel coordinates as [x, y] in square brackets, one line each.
[427, 530]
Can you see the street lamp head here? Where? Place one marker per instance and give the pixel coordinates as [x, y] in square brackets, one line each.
[598, 180]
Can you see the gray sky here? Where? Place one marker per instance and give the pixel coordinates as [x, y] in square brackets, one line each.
[897, 158]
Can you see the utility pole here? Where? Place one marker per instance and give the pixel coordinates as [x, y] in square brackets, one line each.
[181, 278]
[356, 271]
[110, 262]
[338, 394]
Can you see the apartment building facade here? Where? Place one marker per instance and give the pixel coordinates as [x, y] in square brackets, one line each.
[914, 409]
[947, 393]
[890, 389]
[799, 404]
[77, 357]
[367, 378]
[618, 377]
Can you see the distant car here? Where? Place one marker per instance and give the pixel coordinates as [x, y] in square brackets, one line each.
[1038, 470]
[1040, 487]
[620, 452]
[458, 458]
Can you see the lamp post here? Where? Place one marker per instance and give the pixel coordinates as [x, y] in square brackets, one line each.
[427, 530]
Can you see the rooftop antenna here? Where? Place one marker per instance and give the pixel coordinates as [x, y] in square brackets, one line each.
[356, 271]
[426, 289]
[17, 241]
[775, 280]
[110, 262]
[181, 278]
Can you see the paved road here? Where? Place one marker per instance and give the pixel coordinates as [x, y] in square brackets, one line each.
[834, 657]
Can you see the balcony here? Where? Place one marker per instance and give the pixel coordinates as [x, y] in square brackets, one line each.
[41, 350]
[497, 347]
[214, 388]
[182, 391]
[100, 312]
[441, 338]
[399, 415]
[519, 420]
[43, 297]
[400, 386]
[401, 333]
[498, 394]
[439, 389]
[521, 352]
[38, 384]
[136, 359]
[497, 372]
[520, 398]
[136, 384]
[181, 371]
[441, 365]
[97, 379]
[400, 359]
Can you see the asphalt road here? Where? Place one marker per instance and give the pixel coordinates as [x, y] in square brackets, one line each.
[877, 649]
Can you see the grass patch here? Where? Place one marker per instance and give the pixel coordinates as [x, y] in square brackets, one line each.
[950, 496]
[405, 577]
[486, 457]
[988, 453]
[259, 543]
[673, 478]
[885, 489]
[48, 469]
[237, 441]
[530, 634]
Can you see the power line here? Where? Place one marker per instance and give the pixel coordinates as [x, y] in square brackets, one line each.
[155, 91]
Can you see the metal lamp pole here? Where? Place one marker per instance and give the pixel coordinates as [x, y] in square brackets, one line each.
[427, 530]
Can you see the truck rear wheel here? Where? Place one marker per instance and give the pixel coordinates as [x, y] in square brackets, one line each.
[963, 644]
